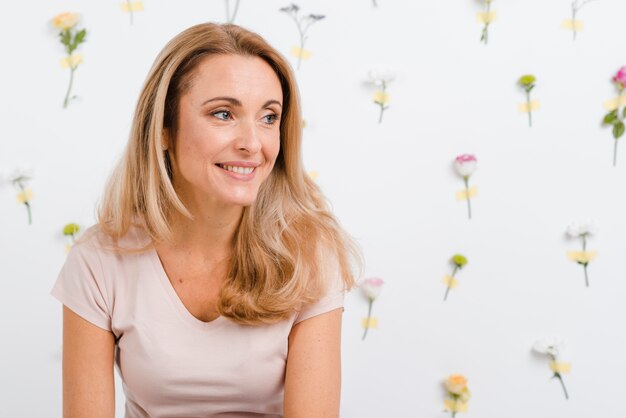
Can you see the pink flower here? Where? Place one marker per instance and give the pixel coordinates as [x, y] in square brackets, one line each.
[372, 287]
[465, 165]
[620, 77]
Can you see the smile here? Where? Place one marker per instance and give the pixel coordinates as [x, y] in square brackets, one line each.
[236, 169]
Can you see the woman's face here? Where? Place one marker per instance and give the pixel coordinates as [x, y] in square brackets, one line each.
[228, 132]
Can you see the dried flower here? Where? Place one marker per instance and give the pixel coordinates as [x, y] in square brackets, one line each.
[71, 38]
[465, 165]
[582, 230]
[20, 177]
[527, 82]
[576, 6]
[303, 23]
[381, 79]
[553, 347]
[458, 262]
[371, 287]
[458, 393]
[615, 117]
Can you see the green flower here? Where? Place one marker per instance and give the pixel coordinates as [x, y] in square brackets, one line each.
[459, 260]
[71, 229]
[527, 80]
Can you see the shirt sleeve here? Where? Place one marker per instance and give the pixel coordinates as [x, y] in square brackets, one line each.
[335, 289]
[81, 287]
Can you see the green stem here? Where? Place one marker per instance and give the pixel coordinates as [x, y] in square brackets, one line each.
[485, 34]
[574, 21]
[369, 315]
[530, 117]
[445, 297]
[69, 88]
[615, 153]
[467, 192]
[382, 103]
[558, 376]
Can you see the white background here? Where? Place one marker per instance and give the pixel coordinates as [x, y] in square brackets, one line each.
[392, 185]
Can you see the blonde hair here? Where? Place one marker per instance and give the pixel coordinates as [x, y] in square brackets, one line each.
[287, 244]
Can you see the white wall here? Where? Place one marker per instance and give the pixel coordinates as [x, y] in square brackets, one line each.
[391, 184]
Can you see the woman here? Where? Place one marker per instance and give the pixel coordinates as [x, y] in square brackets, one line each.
[214, 278]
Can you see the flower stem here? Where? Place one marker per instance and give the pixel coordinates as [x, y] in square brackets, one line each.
[485, 34]
[375, 4]
[467, 193]
[130, 11]
[30, 217]
[69, 88]
[615, 153]
[445, 297]
[382, 102]
[558, 376]
[369, 315]
[574, 21]
[530, 117]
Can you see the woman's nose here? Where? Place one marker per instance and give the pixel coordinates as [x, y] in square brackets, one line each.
[248, 137]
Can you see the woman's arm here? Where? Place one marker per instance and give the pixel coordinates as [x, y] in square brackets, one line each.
[313, 377]
[88, 355]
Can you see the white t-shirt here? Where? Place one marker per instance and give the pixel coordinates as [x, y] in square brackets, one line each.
[171, 363]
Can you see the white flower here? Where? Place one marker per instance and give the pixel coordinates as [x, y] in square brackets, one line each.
[465, 165]
[380, 77]
[21, 175]
[578, 229]
[551, 346]
[372, 287]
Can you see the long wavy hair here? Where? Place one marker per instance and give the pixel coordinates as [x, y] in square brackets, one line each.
[288, 248]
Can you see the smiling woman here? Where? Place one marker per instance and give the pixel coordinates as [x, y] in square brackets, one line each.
[215, 276]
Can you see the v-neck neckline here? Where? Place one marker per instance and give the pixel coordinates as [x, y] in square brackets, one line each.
[177, 302]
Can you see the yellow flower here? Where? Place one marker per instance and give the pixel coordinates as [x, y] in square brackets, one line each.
[456, 384]
[65, 20]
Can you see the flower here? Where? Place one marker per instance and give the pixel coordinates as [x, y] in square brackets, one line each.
[70, 37]
[458, 392]
[615, 117]
[381, 77]
[303, 23]
[371, 287]
[620, 78]
[465, 164]
[578, 229]
[459, 261]
[582, 230]
[381, 80]
[65, 21]
[553, 347]
[20, 177]
[456, 384]
[527, 82]
[71, 229]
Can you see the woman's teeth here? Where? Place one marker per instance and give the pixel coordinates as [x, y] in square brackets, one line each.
[238, 170]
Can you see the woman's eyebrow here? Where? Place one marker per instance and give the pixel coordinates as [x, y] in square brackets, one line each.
[236, 102]
[231, 100]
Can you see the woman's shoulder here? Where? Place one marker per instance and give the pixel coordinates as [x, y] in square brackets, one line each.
[97, 239]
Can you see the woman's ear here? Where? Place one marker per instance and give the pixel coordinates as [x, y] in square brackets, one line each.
[165, 139]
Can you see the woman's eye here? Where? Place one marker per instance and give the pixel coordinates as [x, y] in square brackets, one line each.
[270, 119]
[222, 114]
